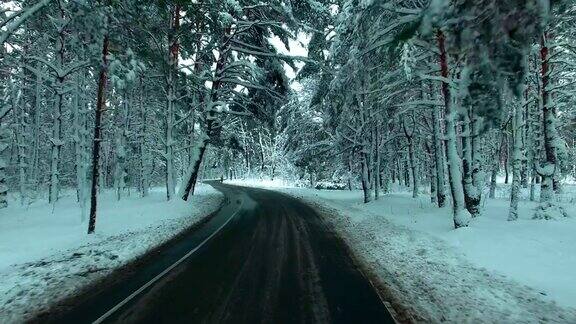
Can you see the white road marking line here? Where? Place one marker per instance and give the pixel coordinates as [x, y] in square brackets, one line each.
[163, 273]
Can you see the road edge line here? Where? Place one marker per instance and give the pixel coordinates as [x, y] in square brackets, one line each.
[102, 318]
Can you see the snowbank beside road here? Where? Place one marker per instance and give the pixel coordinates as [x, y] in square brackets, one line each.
[46, 255]
[494, 271]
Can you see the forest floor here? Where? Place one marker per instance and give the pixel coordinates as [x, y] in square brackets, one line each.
[46, 255]
[494, 271]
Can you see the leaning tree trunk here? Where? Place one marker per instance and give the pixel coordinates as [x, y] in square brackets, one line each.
[460, 214]
[212, 124]
[100, 107]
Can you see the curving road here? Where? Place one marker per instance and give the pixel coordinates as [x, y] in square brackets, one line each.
[263, 258]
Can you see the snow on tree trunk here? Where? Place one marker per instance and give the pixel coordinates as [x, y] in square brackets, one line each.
[211, 102]
[433, 183]
[548, 209]
[471, 192]
[143, 139]
[19, 108]
[493, 176]
[506, 158]
[57, 115]
[478, 176]
[36, 128]
[79, 138]
[460, 215]
[56, 143]
[121, 142]
[499, 152]
[192, 175]
[438, 157]
[365, 177]
[376, 170]
[5, 108]
[349, 175]
[171, 93]
[4, 144]
[432, 174]
[411, 156]
[532, 143]
[517, 158]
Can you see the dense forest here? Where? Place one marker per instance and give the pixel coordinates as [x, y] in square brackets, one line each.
[441, 96]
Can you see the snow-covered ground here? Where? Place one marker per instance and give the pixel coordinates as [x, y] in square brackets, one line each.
[46, 255]
[494, 271]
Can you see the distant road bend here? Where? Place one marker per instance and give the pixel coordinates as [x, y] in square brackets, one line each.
[263, 258]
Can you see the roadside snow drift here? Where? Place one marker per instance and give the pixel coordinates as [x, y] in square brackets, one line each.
[46, 255]
[492, 272]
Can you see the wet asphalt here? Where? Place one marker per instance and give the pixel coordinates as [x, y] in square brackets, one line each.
[274, 261]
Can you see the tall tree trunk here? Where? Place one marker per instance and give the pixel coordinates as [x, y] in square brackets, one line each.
[80, 146]
[36, 128]
[349, 176]
[19, 104]
[477, 176]
[143, 139]
[496, 165]
[471, 193]
[56, 139]
[516, 163]
[411, 157]
[432, 175]
[171, 92]
[549, 129]
[4, 144]
[493, 176]
[4, 134]
[551, 137]
[376, 152]
[533, 141]
[460, 214]
[121, 143]
[506, 161]
[365, 177]
[438, 158]
[100, 107]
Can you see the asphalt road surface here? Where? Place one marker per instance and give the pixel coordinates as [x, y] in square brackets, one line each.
[263, 258]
